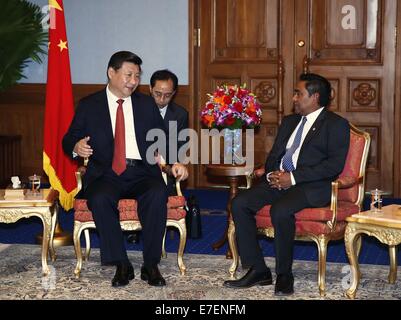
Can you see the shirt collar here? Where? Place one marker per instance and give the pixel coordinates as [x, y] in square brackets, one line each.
[163, 111]
[311, 117]
[112, 96]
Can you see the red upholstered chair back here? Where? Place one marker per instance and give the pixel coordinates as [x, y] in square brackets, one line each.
[355, 166]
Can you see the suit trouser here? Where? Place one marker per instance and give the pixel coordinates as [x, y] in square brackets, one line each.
[151, 195]
[284, 205]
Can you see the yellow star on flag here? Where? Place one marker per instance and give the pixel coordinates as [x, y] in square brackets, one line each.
[55, 5]
[62, 45]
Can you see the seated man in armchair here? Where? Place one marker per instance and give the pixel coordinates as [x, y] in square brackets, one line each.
[309, 153]
[109, 128]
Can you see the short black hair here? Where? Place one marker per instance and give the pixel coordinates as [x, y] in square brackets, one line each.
[118, 58]
[164, 74]
[317, 84]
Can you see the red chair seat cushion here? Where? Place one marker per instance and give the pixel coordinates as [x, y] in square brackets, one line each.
[312, 220]
[128, 209]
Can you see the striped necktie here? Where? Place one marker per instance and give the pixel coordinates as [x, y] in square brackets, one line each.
[288, 164]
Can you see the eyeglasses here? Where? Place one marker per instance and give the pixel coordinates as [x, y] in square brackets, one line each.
[160, 95]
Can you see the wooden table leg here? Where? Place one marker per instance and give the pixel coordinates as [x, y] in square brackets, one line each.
[233, 192]
[352, 234]
[393, 264]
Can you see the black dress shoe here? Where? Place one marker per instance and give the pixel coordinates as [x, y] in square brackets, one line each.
[284, 285]
[152, 276]
[124, 273]
[250, 279]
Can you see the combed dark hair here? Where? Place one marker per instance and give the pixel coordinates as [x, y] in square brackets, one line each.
[317, 84]
[164, 75]
[118, 58]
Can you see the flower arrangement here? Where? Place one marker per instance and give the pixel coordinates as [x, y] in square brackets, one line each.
[231, 107]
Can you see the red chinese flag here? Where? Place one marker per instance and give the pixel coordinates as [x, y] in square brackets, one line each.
[59, 109]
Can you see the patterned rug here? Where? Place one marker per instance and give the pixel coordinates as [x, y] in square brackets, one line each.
[20, 278]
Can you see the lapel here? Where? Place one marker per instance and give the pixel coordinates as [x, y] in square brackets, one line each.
[290, 129]
[314, 130]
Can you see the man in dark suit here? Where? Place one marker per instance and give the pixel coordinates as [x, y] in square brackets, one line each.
[308, 154]
[109, 128]
[163, 87]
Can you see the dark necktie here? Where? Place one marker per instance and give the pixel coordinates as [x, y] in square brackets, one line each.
[288, 165]
[119, 164]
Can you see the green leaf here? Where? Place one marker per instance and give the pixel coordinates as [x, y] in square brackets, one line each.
[22, 39]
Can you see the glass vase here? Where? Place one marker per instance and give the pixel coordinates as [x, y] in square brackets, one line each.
[233, 146]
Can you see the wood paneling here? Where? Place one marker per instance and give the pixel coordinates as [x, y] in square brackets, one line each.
[22, 113]
[243, 30]
[350, 42]
[364, 69]
[346, 31]
[240, 45]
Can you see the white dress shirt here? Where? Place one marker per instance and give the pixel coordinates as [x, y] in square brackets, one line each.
[163, 111]
[131, 146]
[310, 120]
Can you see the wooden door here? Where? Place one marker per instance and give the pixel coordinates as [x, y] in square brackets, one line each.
[352, 43]
[240, 45]
[269, 43]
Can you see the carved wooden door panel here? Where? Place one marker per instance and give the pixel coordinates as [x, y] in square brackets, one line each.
[240, 45]
[352, 43]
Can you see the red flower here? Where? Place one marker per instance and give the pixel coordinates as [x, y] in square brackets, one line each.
[219, 93]
[238, 106]
[227, 100]
[229, 120]
[231, 106]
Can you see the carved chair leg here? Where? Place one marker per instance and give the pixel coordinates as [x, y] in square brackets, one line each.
[233, 247]
[182, 229]
[87, 244]
[164, 254]
[77, 247]
[322, 249]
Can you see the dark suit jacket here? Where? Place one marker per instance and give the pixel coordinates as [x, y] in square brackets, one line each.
[92, 118]
[176, 113]
[322, 155]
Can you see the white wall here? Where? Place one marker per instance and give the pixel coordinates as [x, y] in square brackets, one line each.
[156, 30]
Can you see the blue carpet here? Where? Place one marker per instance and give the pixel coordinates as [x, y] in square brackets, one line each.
[212, 203]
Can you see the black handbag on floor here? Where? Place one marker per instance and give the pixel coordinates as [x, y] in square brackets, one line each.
[193, 218]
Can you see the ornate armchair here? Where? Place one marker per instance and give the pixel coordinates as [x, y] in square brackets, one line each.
[83, 221]
[321, 224]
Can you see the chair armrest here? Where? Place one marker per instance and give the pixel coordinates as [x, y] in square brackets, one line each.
[256, 174]
[333, 205]
[341, 183]
[348, 182]
[166, 168]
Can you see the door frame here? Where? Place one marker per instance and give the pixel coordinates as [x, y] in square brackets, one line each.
[397, 109]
